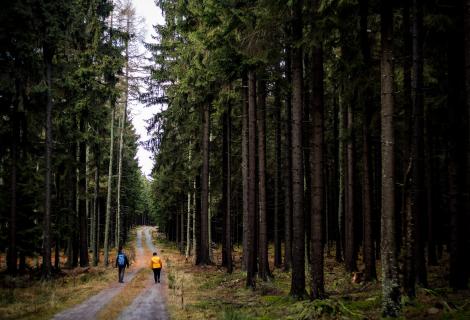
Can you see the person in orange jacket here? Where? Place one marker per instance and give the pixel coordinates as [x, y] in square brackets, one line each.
[156, 264]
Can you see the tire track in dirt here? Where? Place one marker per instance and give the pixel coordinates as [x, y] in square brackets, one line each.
[90, 308]
[150, 304]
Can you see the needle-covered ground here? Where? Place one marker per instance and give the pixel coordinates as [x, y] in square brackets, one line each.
[210, 293]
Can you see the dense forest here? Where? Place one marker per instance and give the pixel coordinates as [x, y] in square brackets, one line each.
[294, 129]
[338, 126]
[69, 180]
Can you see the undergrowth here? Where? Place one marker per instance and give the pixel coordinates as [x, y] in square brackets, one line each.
[211, 293]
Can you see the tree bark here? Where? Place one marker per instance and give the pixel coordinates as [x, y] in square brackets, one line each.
[96, 213]
[430, 182]
[108, 197]
[288, 169]
[390, 283]
[263, 270]
[350, 219]
[317, 176]
[298, 232]
[251, 219]
[368, 244]
[245, 168]
[194, 209]
[203, 253]
[83, 223]
[341, 182]
[277, 176]
[417, 148]
[46, 259]
[227, 190]
[188, 213]
[458, 272]
[118, 240]
[466, 217]
[306, 149]
[12, 255]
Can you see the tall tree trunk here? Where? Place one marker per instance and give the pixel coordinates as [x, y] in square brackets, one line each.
[245, 167]
[417, 148]
[341, 182]
[390, 283]
[227, 191]
[181, 226]
[93, 220]
[458, 272]
[188, 213]
[46, 258]
[82, 197]
[298, 232]
[277, 175]
[96, 214]
[368, 244]
[108, 196]
[118, 236]
[209, 211]
[12, 256]
[332, 214]
[76, 203]
[350, 219]
[203, 257]
[288, 169]
[118, 240]
[177, 229]
[317, 172]
[407, 65]
[70, 205]
[263, 270]
[466, 217]
[306, 141]
[430, 183]
[251, 219]
[87, 195]
[194, 209]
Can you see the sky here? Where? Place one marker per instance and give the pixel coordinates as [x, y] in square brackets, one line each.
[140, 113]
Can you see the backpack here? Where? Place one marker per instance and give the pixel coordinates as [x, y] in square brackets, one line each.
[121, 260]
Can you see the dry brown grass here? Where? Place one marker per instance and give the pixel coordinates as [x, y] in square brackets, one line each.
[26, 297]
[22, 298]
[125, 296]
[132, 290]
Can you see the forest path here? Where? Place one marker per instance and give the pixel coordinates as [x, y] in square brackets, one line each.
[148, 305]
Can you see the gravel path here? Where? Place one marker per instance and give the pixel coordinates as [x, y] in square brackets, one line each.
[150, 304]
[90, 308]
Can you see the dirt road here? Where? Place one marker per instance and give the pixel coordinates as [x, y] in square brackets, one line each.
[149, 304]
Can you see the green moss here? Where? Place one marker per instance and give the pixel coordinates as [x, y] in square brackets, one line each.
[364, 304]
[231, 314]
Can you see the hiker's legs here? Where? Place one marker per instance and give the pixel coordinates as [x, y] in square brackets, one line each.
[155, 275]
[121, 274]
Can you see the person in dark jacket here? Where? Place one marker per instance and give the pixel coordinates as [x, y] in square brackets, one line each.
[121, 263]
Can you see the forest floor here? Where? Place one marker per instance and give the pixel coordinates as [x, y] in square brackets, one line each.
[210, 293]
[90, 293]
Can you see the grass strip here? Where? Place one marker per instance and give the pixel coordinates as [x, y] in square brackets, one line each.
[122, 300]
[34, 300]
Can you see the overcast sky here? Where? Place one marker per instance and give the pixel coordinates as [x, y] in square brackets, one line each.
[139, 113]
